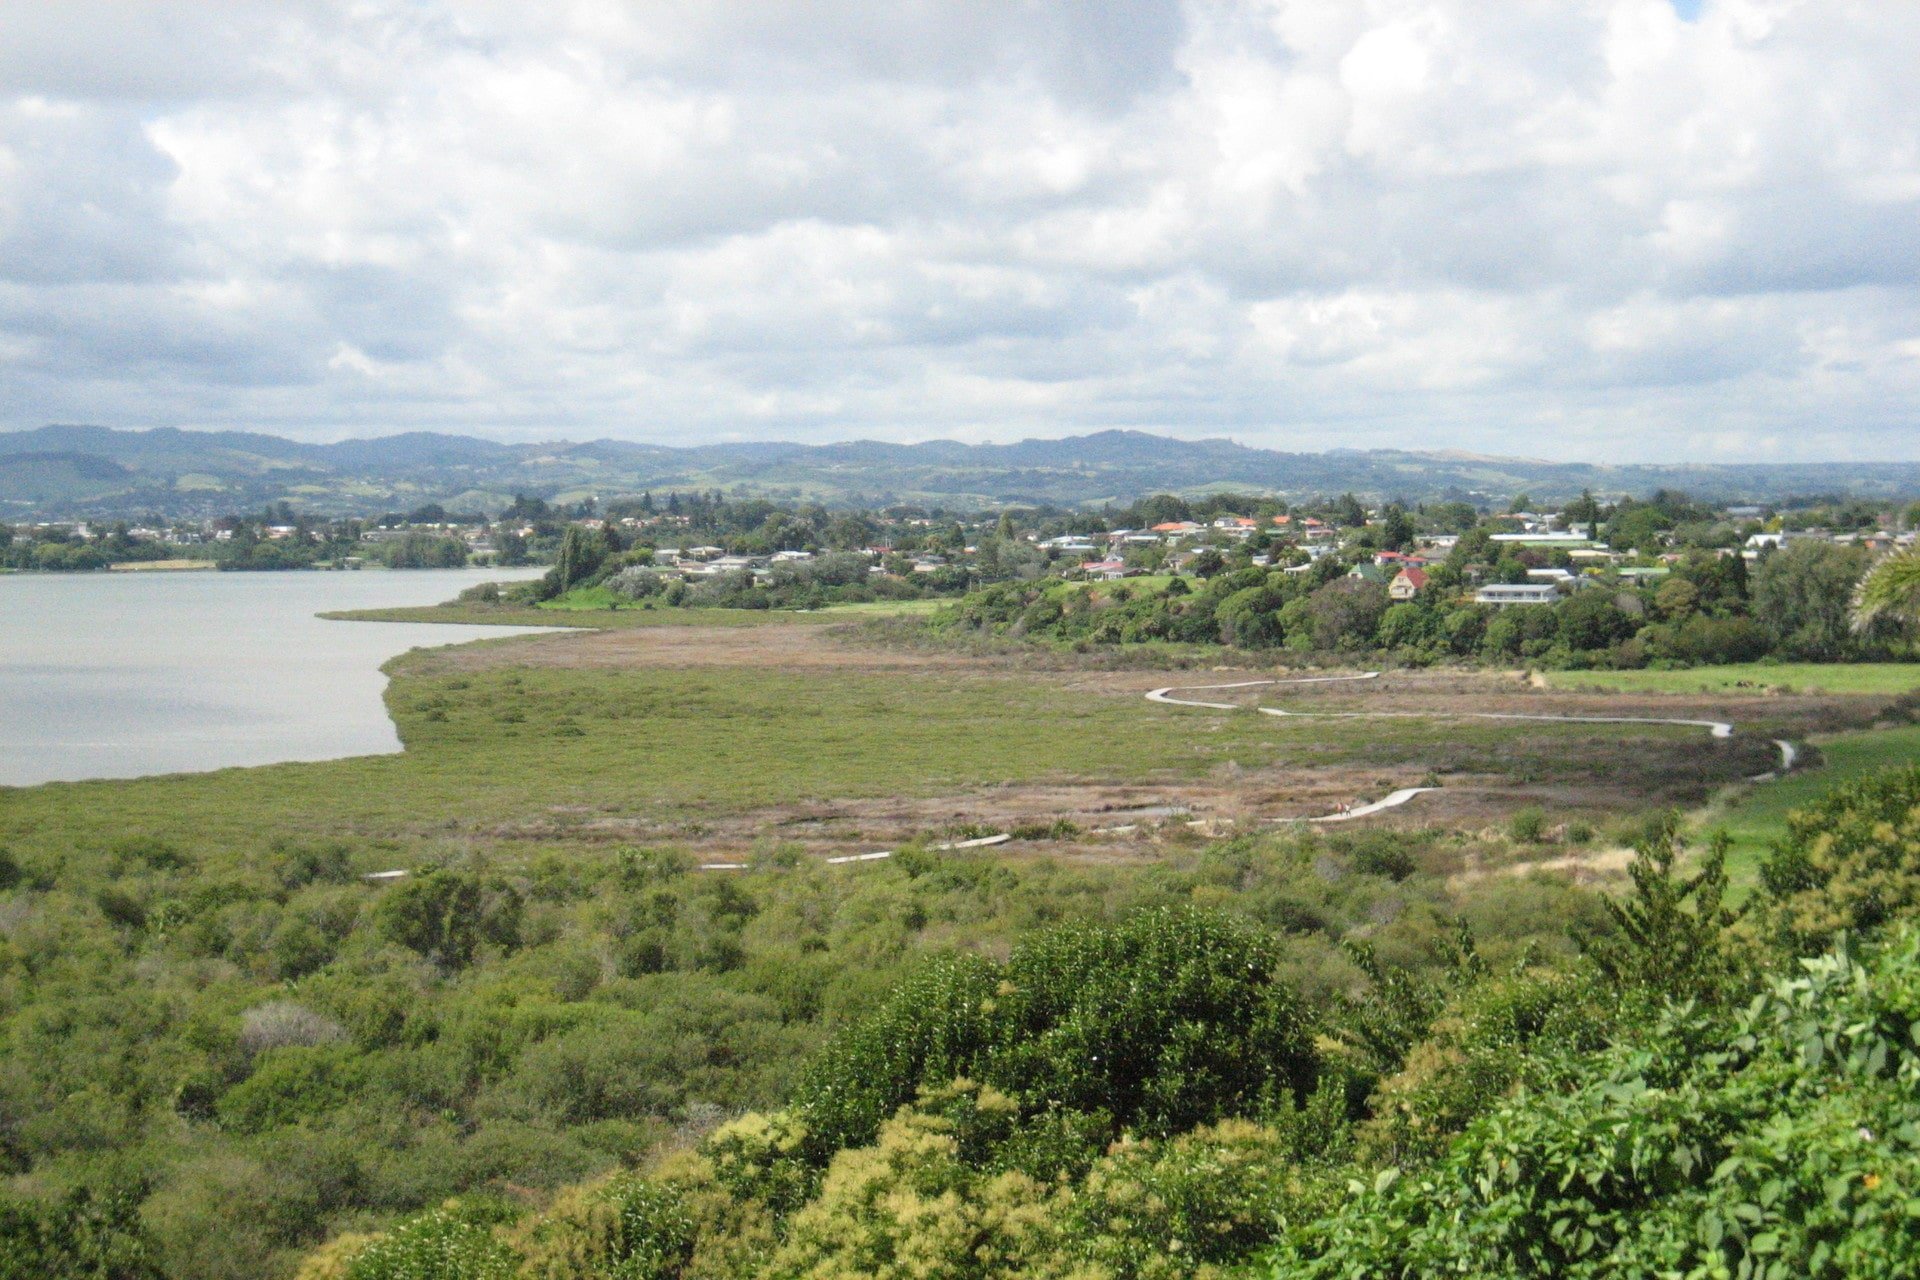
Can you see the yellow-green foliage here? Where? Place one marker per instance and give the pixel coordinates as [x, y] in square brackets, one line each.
[621, 1228]
[1849, 862]
[910, 1208]
[935, 1197]
[331, 1260]
[442, 1244]
[1167, 1210]
[758, 1158]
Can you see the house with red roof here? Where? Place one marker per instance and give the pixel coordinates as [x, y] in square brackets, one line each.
[1408, 583]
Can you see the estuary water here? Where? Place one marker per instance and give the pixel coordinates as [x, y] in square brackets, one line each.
[124, 674]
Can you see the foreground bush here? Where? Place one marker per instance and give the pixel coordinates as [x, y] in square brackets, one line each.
[1777, 1141]
[84, 1234]
[1169, 1020]
[1849, 862]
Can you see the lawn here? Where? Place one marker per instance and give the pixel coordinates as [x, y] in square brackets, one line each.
[1889, 678]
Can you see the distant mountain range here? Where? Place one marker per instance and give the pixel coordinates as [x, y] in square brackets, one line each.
[65, 471]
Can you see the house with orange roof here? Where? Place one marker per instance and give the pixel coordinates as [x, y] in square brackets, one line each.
[1104, 570]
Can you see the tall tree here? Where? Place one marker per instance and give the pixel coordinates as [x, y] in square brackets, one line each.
[1803, 592]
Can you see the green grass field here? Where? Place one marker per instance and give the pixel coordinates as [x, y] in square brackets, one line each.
[1890, 678]
[1756, 816]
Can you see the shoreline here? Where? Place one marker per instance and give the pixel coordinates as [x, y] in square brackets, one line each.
[161, 566]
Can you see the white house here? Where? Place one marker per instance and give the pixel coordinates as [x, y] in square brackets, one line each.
[1506, 593]
[1546, 538]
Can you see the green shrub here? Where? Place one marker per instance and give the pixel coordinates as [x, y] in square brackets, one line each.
[626, 1228]
[1378, 853]
[438, 1245]
[1170, 1019]
[84, 1235]
[292, 1084]
[447, 915]
[1776, 1140]
[1527, 826]
[1850, 861]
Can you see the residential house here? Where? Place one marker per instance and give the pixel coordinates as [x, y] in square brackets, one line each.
[1502, 594]
[1567, 538]
[1407, 583]
[1104, 570]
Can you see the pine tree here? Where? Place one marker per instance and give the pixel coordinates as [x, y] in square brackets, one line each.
[1671, 930]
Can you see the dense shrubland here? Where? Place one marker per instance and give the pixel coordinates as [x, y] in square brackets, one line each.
[1796, 606]
[548, 1054]
[1695, 1090]
[214, 1054]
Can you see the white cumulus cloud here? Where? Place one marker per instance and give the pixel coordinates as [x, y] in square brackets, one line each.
[1612, 229]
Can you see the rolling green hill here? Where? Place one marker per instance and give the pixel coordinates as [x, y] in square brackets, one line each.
[64, 471]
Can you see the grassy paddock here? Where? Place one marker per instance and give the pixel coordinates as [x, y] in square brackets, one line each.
[1756, 817]
[1889, 678]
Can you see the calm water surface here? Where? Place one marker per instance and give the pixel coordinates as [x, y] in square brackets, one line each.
[118, 675]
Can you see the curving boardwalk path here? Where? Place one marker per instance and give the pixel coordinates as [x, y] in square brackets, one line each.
[1716, 728]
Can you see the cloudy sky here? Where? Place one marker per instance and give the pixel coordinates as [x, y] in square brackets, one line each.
[1604, 229]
